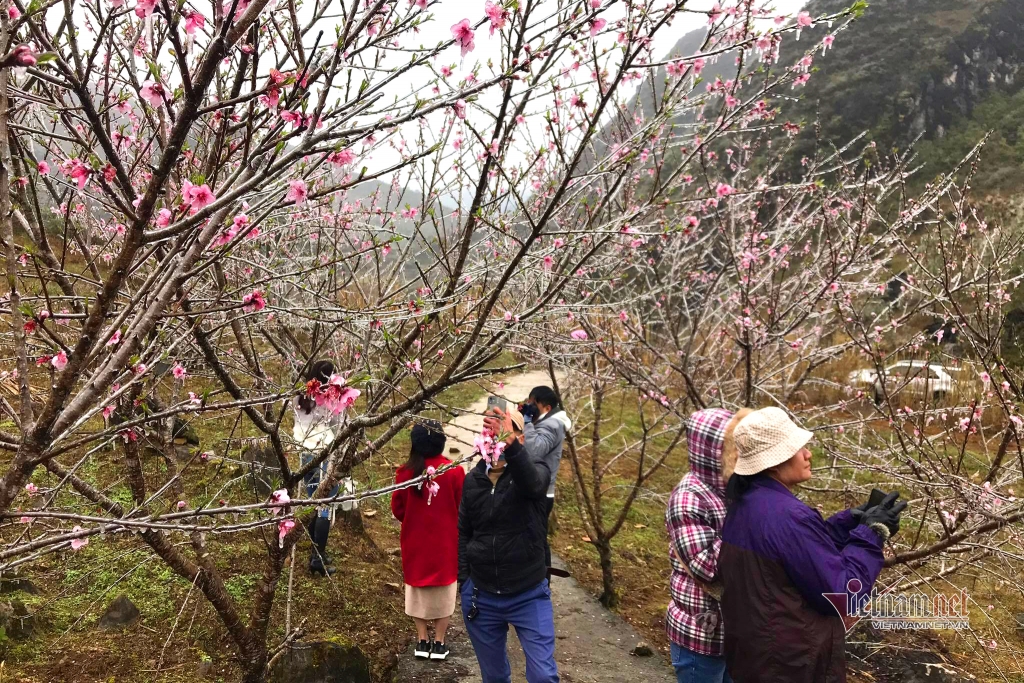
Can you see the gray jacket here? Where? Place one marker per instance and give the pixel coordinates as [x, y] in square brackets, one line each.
[544, 439]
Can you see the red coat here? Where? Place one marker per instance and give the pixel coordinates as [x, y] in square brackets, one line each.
[430, 533]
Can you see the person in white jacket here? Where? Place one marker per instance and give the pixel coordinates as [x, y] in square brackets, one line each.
[545, 430]
[314, 430]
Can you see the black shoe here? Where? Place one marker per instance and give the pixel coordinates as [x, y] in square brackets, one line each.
[423, 650]
[317, 566]
[439, 651]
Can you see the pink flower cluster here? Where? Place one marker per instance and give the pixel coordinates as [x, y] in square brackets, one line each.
[297, 191]
[488, 446]
[77, 171]
[196, 197]
[254, 301]
[431, 486]
[496, 14]
[463, 34]
[283, 527]
[334, 395]
[153, 92]
[280, 498]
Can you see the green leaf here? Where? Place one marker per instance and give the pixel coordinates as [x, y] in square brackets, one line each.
[44, 57]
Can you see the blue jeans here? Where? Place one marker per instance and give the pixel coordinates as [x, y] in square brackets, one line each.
[312, 481]
[530, 612]
[692, 667]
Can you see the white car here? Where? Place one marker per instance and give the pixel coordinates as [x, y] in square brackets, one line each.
[920, 377]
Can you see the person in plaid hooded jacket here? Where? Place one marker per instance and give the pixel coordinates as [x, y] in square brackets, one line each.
[694, 519]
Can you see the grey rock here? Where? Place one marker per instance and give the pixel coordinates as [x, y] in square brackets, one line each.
[121, 613]
[320, 662]
[15, 619]
[205, 668]
[183, 432]
[923, 672]
[264, 470]
[13, 584]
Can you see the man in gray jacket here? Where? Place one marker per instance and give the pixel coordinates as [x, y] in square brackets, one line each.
[546, 426]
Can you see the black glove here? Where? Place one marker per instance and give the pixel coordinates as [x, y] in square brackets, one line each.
[887, 513]
[874, 499]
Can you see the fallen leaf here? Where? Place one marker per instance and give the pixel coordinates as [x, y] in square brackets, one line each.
[585, 539]
[370, 513]
[639, 526]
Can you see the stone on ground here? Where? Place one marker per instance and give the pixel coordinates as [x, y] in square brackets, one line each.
[121, 613]
[13, 584]
[321, 662]
[16, 620]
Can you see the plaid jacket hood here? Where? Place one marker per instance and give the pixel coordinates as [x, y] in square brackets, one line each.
[705, 441]
[694, 520]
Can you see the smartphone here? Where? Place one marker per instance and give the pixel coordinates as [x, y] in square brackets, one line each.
[497, 402]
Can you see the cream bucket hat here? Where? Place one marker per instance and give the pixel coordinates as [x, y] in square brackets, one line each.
[766, 438]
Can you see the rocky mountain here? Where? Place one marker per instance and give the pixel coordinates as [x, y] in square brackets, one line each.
[945, 70]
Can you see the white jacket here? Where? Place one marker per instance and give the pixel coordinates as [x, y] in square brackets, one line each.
[315, 430]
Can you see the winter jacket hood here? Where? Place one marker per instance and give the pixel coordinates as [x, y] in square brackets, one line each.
[559, 414]
[705, 442]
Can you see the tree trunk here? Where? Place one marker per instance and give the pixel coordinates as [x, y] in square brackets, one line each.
[255, 669]
[608, 596]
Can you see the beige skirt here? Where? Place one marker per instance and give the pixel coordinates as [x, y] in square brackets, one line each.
[430, 602]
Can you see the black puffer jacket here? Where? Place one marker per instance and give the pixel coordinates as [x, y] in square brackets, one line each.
[501, 527]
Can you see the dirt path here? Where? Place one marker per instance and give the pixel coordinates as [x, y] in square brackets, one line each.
[592, 644]
[515, 389]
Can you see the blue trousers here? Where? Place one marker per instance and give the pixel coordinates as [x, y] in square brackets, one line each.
[692, 667]
[312, 481]
[530, 612]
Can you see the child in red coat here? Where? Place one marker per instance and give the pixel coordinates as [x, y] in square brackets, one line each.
[429, 514]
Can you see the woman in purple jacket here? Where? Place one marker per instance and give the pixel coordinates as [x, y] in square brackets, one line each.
[779, 558]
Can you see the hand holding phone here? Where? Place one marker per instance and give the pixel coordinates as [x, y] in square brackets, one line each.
[499, 422]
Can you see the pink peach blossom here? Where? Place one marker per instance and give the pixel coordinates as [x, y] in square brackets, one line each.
[78, 543]
[194, 21]
[297, 191]
[153, 92]
[496, 14]
[463, 34]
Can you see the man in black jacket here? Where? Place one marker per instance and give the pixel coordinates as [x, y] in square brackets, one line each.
[502, 567]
